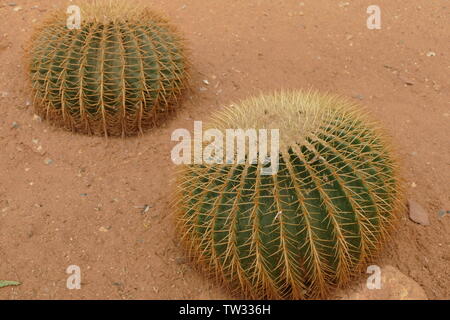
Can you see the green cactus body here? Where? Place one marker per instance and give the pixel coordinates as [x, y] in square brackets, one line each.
[310, 227]
[116, 75]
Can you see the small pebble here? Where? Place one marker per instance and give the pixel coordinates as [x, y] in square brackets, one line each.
[417, 213]
[15, 125]
[436, 87]
[103, 229]
[443, 213]
[48, 161]
[431, 54]
[17, 9]
[406, 80]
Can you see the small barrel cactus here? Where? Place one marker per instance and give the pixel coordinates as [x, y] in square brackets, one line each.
[117, 74]
[309, 227]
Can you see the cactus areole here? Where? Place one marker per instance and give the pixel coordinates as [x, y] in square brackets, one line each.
[116, 74]
[310, 227]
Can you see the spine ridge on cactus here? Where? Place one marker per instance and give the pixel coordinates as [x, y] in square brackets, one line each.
[123, 70]
[313, 225]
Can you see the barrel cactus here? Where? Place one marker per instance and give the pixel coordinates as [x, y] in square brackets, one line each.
[117, 74]
[307, 228]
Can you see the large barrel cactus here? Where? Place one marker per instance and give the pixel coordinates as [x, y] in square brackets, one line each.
[117, 74]
[312, 225]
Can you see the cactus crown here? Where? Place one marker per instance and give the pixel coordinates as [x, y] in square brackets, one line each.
[111, 11]
[311, 226]
[298, 115]
[115, 75]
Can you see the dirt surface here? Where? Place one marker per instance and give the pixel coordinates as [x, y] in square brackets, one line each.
[70, 199]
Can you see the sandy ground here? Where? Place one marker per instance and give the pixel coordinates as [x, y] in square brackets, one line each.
[71, 199]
